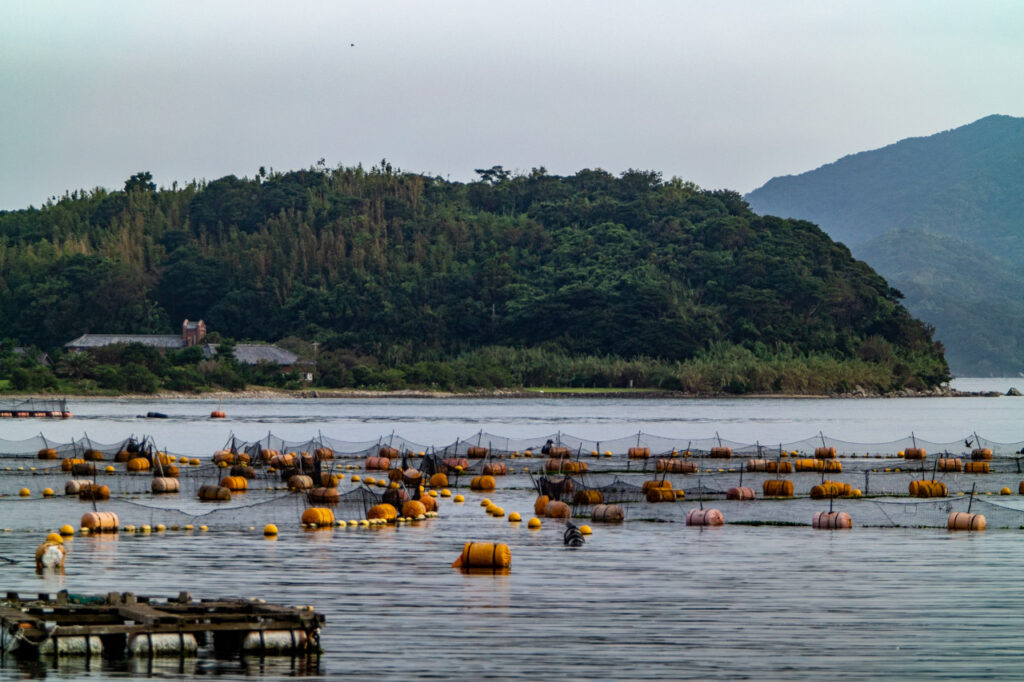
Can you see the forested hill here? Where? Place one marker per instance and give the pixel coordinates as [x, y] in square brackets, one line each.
[942, 218]
[395, 269]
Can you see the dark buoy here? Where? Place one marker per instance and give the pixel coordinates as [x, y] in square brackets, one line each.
[573, 537]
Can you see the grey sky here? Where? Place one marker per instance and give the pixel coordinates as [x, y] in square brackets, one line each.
[723, 93]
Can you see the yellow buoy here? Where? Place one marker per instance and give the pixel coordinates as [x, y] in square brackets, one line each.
[24, 492]
[1005, 491]
[270, 529]
[188, 526]
[433, 493]
[355, 478]
[109, 469]
[160, 528]
[533, 523]
[204, 528]
[353, 522]
[485, 502]
[458, 498]
[514, 516]
[585, 530]
[47, 492]
[364, 522]
[446, 493]
[146, 528]
[55, 537]
[66, 529]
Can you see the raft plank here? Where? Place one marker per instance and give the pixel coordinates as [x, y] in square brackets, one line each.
[13, 616]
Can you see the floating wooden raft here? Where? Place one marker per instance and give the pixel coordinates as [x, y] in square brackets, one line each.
[118, 625]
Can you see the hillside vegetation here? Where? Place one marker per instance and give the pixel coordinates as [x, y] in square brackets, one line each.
[514, 280]
[942, 219]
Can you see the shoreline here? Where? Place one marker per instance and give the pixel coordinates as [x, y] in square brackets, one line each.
[355, 394]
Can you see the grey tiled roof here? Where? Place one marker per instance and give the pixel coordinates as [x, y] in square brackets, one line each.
[86, 341]
[255, 353]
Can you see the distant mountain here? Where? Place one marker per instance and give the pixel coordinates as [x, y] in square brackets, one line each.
[942, 218]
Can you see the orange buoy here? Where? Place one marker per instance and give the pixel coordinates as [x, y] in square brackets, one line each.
[217, 414]
[739, 493]
[965, 521]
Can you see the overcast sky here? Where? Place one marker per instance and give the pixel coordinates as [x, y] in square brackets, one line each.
[723, 93]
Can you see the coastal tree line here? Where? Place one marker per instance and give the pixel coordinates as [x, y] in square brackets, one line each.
[406, 280]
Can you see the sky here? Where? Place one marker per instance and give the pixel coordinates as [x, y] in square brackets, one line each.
[725, 93]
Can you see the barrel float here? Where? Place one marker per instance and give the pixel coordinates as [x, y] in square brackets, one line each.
[323, 454]
[539, 505]
[482, 483]
[378, 463]
[68, 462]
[476, 452]
[100, 522]
[453, 464]
[656, 483]
[831, 521]
[325, 495]
[976, 467]
[556, 465]
[769, 466]
[243, 470]
[94, 492]
[138, 464]
[1020, 488]
[638, 453]
[778, 487]
[676, 466]
[824, 453]
[162, 644]
[915, 453]
[949, 464]
[655, 495]
[484, 555]
[123, 456]
[413, 478]
[439, 480]
[300, 482]
[165, 484]
[47, 453]
[495, 469]
[608, 513]
[704, 517]
[217, 414]
[236, 484]
[329, 480]
[588, 497]
[965, 521]
[927, 489]
[282, 460]
[826, 465]
[557, 510]
[560, 451]
[169, 471]
[382, 511]
[318, 516]
[83, 469]
[413, 508]
[396, 474]
[720, 452]
[214, 493]
[739, 493]
[275, 642]
[829, 489]
[73, 486]
[225, 457]
[981, 454]
[92, 455]
[429, 503]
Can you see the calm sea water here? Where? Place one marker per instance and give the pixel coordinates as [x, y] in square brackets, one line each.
[650, 599]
